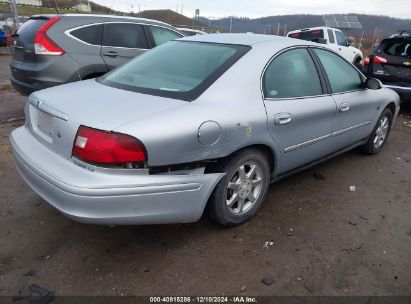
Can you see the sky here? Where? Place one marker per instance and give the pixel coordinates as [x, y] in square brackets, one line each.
[261, 8]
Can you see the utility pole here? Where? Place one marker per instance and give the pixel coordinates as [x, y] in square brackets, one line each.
[231, 23]
[278, 29]
[373, 38]
[285, 29]
[13, 9]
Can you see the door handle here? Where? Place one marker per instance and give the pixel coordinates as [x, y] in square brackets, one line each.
[283, 118]
[111, 54]
[344, 107]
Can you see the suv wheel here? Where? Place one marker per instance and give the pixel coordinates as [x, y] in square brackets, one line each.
[240, 193]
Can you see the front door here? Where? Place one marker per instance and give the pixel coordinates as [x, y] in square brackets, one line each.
[356, 106]
[299, 114]
[122, 42]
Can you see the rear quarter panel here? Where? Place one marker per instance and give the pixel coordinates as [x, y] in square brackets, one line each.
[234, 101]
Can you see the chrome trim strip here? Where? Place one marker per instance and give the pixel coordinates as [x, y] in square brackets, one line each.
[68, 33]
[350, 128]
[307, 143]
[47, 109]
[325, 137]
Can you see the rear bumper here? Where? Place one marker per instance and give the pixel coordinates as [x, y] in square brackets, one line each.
[404, 92]
[30, 77]
[399, 89]
[106, 196]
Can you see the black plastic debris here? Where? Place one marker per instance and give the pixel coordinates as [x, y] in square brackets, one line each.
[29, 273]
[319, 176]
[268, 280]
[46, 296]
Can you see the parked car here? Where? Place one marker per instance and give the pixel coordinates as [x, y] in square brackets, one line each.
[190, 32]
[50, 50]
[391, 63]
[3, 38]
[334, 39]
[158, 141]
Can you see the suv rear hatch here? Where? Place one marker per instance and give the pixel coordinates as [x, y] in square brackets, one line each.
[391, 63]
[22, 48]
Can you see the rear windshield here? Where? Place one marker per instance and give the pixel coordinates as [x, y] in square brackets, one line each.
[176, 69]
[308, 35]
[397, 47]
[29, 29]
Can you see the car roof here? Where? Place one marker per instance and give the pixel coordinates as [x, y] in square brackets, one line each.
[103, 16]
[246, 39]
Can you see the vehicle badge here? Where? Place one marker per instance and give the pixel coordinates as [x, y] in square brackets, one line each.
[15, 42]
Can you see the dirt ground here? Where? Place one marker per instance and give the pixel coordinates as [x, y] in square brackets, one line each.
[325, 239]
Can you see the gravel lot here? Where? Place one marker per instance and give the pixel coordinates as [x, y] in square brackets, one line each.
[325, 239]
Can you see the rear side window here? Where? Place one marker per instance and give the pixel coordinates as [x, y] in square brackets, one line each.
[292, 74]
[400, 48]
[331, 38]
[126, 35]
[308, 35]
[30, 28]
[162, 35]
[342, 76]
[92, 34]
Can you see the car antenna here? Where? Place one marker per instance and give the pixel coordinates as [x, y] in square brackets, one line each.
[56, 7]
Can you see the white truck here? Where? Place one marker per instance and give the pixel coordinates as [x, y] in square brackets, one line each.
[334, 39]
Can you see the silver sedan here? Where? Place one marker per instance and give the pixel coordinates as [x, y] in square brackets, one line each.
[200, 123]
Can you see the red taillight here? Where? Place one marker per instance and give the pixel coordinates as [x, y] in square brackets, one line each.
[380, 60]
[99, 146]
[367, 61]
[43, 45]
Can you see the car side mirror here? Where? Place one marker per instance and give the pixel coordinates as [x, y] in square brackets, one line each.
[373, 84]
[349, 42]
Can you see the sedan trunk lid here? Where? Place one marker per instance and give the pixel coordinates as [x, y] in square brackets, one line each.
[54, 115]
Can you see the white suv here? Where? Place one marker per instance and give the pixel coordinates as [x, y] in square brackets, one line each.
[334, 39]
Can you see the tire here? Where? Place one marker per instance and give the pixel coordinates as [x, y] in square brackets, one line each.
[247, 176]
[358, 64]
[380, 133]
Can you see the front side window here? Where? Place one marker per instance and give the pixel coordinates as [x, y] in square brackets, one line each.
[177, 69]
[162, 35]
[340, 39]
[126, 35]
[342, 76]
[292, 74]
[92, 34]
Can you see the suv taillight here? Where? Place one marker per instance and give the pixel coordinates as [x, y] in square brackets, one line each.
[380, 60]
[43, 45]
[367, 61]
[97, 146]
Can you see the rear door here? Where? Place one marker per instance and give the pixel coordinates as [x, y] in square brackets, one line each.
[356, 106]
[299, 112]
[22, 48]
[123, 41]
